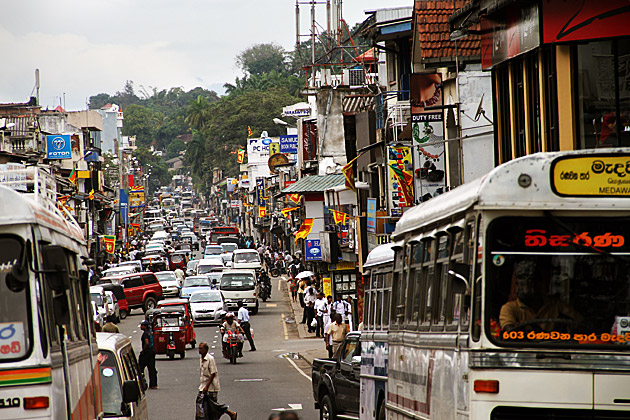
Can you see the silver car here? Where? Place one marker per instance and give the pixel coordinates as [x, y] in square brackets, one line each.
[207, 307]
[168, 281]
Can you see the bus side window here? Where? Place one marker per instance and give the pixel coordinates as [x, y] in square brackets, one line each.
[387, 292]
[398, 297]
[428, 279]
[475, 281]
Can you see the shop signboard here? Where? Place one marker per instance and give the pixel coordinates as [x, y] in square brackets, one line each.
[371, 215]
[399, 158]
[313, 250]
[289, 143]
[59, 146]
[430, 179]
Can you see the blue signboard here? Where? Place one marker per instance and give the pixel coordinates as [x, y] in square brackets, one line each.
[124, 206]
[313, 250]
[91, 156]
[371, 215]
[59, 147]
[288, 144]
[260, 191]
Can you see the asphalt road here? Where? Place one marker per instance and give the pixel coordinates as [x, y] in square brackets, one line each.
[262, 382]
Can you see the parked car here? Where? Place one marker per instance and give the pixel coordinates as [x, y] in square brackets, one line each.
[194, 283]
[169, 282]
[97, 295]
[113, 309]
[143, 290]
[336, 381]
[207, 307]
[121, 382]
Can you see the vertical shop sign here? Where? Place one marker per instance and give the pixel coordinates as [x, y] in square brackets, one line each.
[399, 158]
[371, 215]
[430, 179]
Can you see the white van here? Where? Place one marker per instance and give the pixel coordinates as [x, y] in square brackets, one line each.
[240, 286]
[210, 265]
[122, 386]
[247, 259]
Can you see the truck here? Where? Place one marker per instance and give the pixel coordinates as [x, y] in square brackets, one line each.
[336, 381]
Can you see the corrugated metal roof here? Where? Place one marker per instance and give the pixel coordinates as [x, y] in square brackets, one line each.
[315, 183]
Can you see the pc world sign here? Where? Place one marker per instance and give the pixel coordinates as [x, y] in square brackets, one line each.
[59, 146]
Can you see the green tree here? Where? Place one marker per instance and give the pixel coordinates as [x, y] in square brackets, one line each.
[195, 153]
[198, 113]
[140, 122]
[99, 101]
[173, 149]
[262, 58]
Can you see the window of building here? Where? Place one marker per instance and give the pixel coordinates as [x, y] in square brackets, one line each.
[603, 99]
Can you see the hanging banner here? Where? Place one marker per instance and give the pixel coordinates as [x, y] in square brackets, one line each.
[399, 158]
[260, 191]
[304, 230]
[371, 215]
[339, 217]
[285, 212]
[110, 243]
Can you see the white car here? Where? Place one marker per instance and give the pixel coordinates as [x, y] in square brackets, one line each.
[206, 307]
[246, 259]
[97, 296]
[135, 263]
[209, 265]
[169, 283]
[119, 271]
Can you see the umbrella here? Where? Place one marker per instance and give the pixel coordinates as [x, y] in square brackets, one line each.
[304, 274]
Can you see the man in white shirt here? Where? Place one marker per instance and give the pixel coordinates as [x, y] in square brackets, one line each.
[310, 295]
[321, 308]
[243, 319]
[180, 276]
[340, 307]
[209, 380]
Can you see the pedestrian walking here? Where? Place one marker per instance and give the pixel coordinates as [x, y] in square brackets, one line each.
[336, 332]
[310, 295]
[243, 319]
[328, 338]
[208, 407]
[300, 291]
[294, 289]
[147, 355]
[321, 308]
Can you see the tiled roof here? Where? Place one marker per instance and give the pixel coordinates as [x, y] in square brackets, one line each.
[315, 183]
[433, 30]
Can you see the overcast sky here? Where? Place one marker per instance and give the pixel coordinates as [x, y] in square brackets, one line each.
[85, 47]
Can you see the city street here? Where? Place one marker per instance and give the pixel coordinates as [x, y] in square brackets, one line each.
[262, 382]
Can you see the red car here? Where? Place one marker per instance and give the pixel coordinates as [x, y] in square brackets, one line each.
[142, 290]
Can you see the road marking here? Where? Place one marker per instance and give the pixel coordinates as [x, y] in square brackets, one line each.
[271, 305]
[214, 347]
[130, 336]
[249, 380]
[279, 284]
[291, 407]
[284, 327]
[135, 331]
[300, 371]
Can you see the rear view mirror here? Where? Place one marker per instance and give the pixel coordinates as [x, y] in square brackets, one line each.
[459, 273]
[56, 267]
[356, 361]
[130, 391]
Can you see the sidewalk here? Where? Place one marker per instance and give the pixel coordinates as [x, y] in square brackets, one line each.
[318, 349]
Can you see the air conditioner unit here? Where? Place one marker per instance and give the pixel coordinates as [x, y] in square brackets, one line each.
[353, 77]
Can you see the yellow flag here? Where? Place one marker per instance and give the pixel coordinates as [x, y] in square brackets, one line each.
[249, 131]
[262, 211]
[304, 230]
[296, 198]
[91, 194]
[339, 217]
[285, 212]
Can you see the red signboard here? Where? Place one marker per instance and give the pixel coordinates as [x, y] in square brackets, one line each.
[287, 183]
[570, 20]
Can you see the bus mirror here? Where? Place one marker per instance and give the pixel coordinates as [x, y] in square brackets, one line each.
[130, 391]
[56, 267]
[460, 285]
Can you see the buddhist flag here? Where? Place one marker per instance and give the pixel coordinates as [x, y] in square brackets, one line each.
[110, 243]
[73, 177]
[249, 131]
[339, 217]
[406, 184]
[91, 194]
[240, 157]
[285, 212]
[296, 198]
[304, 230]
[349, 173]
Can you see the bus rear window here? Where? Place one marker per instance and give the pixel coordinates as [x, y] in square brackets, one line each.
[559, 282]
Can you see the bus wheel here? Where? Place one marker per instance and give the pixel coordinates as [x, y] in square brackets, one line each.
[326, 410]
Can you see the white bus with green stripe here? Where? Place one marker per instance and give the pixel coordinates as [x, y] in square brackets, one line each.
[48, 355]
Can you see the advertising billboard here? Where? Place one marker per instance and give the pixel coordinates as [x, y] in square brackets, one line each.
[58, 146]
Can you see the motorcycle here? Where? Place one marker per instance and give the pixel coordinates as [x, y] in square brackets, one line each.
[279, 268]
[232, 347]
[265, 290]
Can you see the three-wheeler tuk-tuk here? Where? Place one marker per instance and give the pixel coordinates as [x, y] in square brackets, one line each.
[169, 333]
[154, 263]
[179, 305]
[178, 260]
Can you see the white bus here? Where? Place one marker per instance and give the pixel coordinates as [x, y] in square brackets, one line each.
[511, 295]
[374, 348]
[48, 355]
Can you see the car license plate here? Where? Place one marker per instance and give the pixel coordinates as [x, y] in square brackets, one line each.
[170, 329]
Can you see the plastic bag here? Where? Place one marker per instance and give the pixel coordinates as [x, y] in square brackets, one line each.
[314, 323]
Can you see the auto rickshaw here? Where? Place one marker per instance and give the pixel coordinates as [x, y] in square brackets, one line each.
[169, 333]
[178, 260]
[181, 305]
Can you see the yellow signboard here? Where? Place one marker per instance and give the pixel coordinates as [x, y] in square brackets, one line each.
[83, 174]
[274, 148]
[326, 286]
[591, 176]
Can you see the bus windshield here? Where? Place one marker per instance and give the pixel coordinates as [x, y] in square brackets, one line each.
[15, 332]
[555, 282]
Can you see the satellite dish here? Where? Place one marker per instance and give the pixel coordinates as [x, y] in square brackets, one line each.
[480, 109]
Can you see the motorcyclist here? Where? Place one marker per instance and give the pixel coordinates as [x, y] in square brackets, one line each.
[265, 282]
[230, 325]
